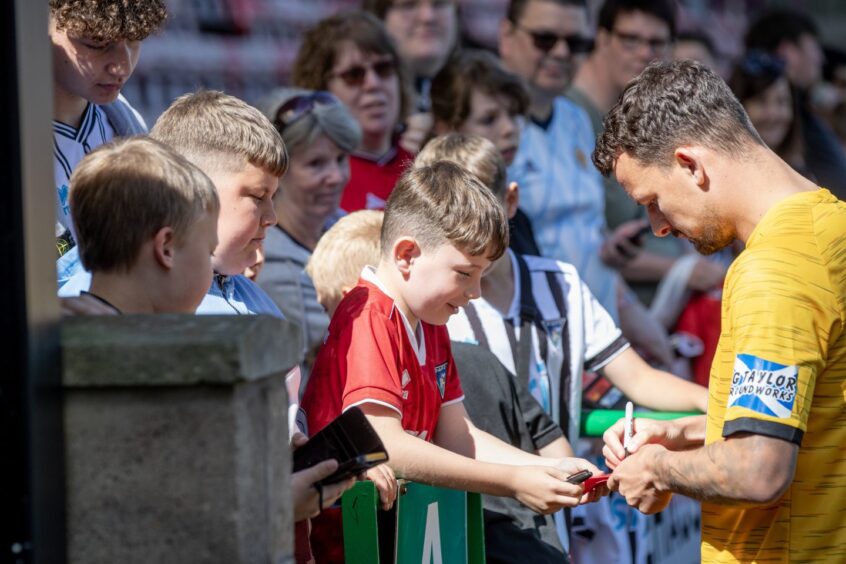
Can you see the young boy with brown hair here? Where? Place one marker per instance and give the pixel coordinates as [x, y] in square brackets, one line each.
[158, 261]
[243, 154]
[496, 401]
[95, 48]
[388, 351]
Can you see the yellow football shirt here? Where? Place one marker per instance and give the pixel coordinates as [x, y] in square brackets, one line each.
[780, 371]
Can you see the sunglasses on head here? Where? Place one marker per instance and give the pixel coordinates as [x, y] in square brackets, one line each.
[546, 41]
[759, 63]
[299, 106]
[355, 75]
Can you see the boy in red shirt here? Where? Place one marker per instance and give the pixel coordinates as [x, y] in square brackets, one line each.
[388, 352]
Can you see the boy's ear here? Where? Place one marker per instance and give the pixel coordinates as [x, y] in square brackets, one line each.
[405, 252]
[512, 199]
[163, 247]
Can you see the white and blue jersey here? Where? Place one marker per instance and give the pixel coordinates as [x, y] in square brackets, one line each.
[70, 145]
[228, 295]
[562, 194]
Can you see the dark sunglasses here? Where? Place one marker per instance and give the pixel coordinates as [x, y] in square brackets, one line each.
[355, 75]
[757, 63]
[546, 41]
[299, 106]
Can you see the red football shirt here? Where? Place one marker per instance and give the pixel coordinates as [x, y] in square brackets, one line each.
[371, 182]
[370, 356]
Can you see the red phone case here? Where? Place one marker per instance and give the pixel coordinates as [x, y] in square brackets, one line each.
[595, 481]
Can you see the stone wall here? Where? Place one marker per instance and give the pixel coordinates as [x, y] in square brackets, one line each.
[176, 438]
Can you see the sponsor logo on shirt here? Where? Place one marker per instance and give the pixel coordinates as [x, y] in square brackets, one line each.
[440, 377]
[63, 199]
[763, 386]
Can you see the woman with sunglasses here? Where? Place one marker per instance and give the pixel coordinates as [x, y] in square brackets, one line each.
[352, 56]
[319, 133]
[760, 82]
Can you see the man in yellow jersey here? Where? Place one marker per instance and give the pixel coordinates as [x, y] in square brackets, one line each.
[768, 462]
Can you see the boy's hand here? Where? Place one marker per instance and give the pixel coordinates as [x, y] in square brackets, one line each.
[385, 481]
[544, 489]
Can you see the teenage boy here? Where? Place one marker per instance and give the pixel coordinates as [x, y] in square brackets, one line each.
[158, 261]
[243, 154]
[388, 350]
[95, 48]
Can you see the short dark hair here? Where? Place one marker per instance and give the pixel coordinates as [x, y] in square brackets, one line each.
[471, 69]
[109, 20]
[664, 10]
[779, 25]
[668, 105]
[517, 7]
[444, 203]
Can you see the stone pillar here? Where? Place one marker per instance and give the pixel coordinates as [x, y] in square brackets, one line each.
[176, 438]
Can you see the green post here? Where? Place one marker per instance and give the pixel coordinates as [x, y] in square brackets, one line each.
[361, 533]
[594, 423]
[433, 526]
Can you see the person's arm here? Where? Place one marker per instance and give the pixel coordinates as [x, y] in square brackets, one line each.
[651, 267]
[543, 489]
[654, 389]
[457, 433]
[744, 470]
[559, 448]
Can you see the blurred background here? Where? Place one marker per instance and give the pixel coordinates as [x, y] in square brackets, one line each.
[247, 47]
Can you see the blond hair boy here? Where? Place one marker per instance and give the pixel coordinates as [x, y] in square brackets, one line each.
[151, 262]
[389, 353]
[341, 253]
[243, 154]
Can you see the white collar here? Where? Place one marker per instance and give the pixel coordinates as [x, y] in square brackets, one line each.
[416, 337]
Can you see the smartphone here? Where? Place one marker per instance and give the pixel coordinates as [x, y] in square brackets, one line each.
[579, 477]
[595, 481]
[637, 237]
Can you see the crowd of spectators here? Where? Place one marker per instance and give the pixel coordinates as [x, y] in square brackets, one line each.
[498, 233]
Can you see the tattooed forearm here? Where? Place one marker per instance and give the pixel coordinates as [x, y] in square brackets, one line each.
[742, 471]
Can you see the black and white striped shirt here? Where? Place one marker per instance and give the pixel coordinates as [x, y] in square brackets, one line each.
[570, 333]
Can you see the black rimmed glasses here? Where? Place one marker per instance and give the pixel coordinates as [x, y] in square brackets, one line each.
[632, 41]
[355, 75]
[300, 106]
